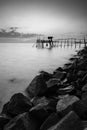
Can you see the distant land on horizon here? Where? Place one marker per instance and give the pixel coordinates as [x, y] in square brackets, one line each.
[11, 35]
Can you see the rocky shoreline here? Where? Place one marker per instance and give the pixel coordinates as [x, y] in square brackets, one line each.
[55, 101]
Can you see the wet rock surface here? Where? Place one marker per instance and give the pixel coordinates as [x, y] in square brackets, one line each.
[56, 101]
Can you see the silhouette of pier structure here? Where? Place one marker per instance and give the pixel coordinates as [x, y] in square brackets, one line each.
[49, 43]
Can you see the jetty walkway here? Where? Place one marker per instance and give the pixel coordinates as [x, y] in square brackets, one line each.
[59, 42]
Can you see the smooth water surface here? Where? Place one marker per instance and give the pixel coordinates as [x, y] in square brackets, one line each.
[19, 64]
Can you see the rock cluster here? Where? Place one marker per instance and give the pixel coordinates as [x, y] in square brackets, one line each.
[55, 101]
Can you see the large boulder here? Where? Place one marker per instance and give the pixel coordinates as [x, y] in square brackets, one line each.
[70, 122]
[67, 67]
[22, 122]
[84, 95]
[84, 88]
[40, 112]
[58, 69]
[52, 82]
[4, 120]
[84, 79]
[18, 104]
[46, 76]
[81, 73]
[84, 123]
[39, 100]
[60, 75]
[43, 108]
[37, 87]
[80, 107]
[50, 121]
[72, 76]
[52, 86]
[82, 65]
[64, 105]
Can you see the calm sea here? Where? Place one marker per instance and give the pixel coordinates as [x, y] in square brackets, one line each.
[19, 64]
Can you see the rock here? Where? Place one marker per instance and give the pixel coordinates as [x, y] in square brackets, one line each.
[43, 109]
[85, 128]
[18, 104]
[37, 87]
[84, 88]
[44, 101]
[80, 107]
[66, 90]
[73, 58]
[45, 75]
[70, 122]
[84, 124]
[84, 79]
[84, 95]
[81, 73]
[66, 102]
[78, 93]
[82, 65]
[52, 105]
[52, 87]
[37, 100]
[68, 64]
[60, 75]
[22, 122]
[39, 112]
[63, 96]
[78, 84]
[58, 69]
[50, 121]
[52, 82]
[71, 76]
[70, 67]
[3, 121]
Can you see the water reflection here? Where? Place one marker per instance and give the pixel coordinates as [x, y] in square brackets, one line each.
[60, 45]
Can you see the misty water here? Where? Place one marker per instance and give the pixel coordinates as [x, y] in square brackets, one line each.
[19, 64]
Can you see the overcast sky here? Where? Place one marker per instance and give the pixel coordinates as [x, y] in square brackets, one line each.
[44, 16]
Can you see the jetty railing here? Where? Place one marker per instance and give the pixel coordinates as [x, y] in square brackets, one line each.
[55, 43]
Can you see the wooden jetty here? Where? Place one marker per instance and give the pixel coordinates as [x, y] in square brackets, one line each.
[49, 43]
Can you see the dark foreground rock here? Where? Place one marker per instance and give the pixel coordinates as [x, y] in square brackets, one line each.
[80, 107]
[70, 122]
[53, 85]
[50, 121]
[37, 87]
[22, 122]
[43, 108]
[45, 75]
[3, 121]
[84, 88]
[18, 104]
[59, 74]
